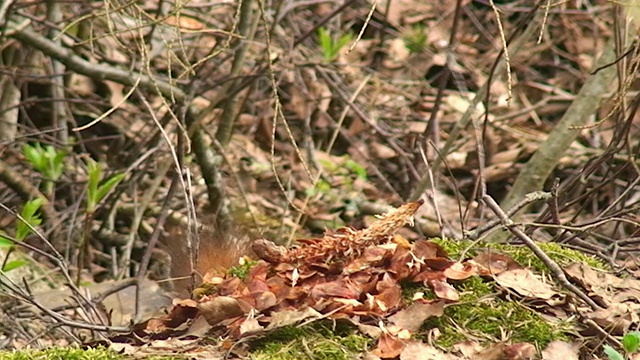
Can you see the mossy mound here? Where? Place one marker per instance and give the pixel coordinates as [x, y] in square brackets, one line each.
[484, 314]
[320, 340]
[72, 353]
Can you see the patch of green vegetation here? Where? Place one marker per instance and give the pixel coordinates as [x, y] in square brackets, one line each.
[331, 45]
[241, 271]
[320, 340]
[409, 289]
[415, 40]
[72, 353]
[521, 254]
[483, 316]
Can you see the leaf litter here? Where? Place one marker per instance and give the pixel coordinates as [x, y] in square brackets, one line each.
[358, 276]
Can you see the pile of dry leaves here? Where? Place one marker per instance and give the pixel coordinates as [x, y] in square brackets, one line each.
[355, 275]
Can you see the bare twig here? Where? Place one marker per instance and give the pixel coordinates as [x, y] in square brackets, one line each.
[514, 47]
[97, 71]
[552, 265]
[529, 199]
[247, 25]
[25, 189]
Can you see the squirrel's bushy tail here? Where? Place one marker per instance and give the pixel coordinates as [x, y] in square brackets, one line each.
[217, 252]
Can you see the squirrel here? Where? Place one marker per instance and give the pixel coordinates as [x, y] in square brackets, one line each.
[217, 252]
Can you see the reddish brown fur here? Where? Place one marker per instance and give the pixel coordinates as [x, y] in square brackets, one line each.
[218, 251]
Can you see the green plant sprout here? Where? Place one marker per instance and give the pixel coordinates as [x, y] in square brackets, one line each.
[415, 40]
[331, 47]
[345, 168]
[46, 160]
[30, 219]
[630, 345]
[97, 189]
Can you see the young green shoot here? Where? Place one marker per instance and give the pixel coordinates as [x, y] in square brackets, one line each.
[630, 345]
[97, 189]
[331, 47]
[30, 219]
[46, 160]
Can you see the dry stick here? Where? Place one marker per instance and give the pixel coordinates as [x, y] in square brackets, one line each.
[26, 190]
[552, 265]
[59, 114]
[103, 328]
[515, 46]
[56, 259]
[528, 199]
[247, 25]
[97, 71]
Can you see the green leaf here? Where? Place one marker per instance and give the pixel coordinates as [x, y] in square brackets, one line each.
[34, 155]
[325, 41]
[55, 162]
[58, 165]
[631, 342]
[14, 265]
[357, 169]
[30, 217]
[612, 354]
[344, 40]
[5, 243]
[94, 171]
[104, 189]
[46, 160]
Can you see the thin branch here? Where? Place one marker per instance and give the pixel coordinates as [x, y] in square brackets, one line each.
[98, 71]
[557, 272]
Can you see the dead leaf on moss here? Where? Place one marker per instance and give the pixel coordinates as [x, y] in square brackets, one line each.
[443, 290]
[495, 263]
[461, 271]
[415, 350]
[389, 346]
[525, 283]
[560, 350]
[290, 317]
[417, 313]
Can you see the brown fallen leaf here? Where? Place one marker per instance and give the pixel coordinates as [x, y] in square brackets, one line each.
[525, 283]
[461, 271]
[468, 348]
[617, 318]
[415, 315]
[389, 346]
[220, 308]
[560, 350]
[415, 350]
[290, 317]
[443, 290]
[250, 326]
[519, 351]
[495, 263]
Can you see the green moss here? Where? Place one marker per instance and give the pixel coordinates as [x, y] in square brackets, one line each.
[482, 315]
[320, 340]
[241, 271]
[521, 254]
[409, 289]
[71, 353]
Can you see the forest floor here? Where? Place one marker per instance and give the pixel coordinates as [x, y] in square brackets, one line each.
[339, 115]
